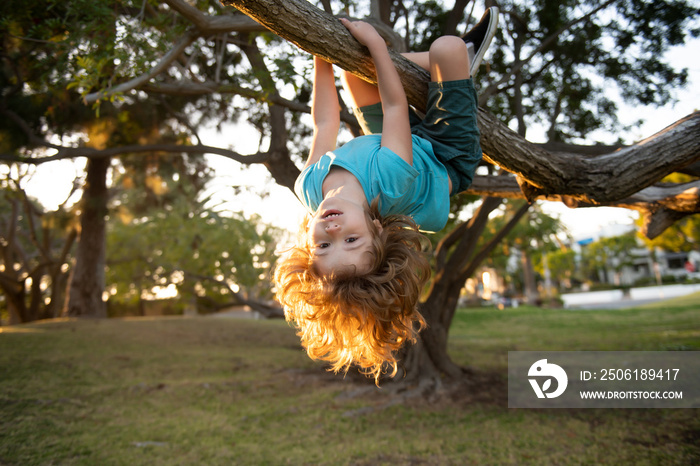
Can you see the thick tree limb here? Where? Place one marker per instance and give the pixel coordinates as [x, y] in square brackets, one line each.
[596, 180]
[660, 205]
[566, 149]
[321, 34]
[656, 221]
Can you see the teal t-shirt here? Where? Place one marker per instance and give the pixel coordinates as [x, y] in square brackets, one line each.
[420, 191]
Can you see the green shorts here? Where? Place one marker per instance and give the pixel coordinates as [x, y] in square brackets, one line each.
[449, 124]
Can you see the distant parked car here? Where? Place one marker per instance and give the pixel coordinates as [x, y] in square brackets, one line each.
[504, 302]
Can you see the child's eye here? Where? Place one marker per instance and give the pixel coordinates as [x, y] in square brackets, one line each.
[322, 245]
[350, 240]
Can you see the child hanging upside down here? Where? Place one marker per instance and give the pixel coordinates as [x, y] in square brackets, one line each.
[351, 283]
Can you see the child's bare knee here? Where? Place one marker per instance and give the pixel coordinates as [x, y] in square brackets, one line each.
[447, 48]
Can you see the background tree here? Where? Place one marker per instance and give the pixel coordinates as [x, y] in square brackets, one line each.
[607, 257]
[532, 237]
[82, 45]
[219, 259]
[51, 53]
[562, 267]
[35, 248]
[536, 172]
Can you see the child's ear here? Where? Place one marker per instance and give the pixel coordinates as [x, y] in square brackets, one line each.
[378, 224]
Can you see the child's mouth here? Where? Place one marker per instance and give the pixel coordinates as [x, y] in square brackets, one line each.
[331, 214]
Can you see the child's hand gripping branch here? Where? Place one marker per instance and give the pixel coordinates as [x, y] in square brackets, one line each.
[352, 282]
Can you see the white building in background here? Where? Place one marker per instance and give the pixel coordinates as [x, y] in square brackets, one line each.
[646, 265]
[487, 285]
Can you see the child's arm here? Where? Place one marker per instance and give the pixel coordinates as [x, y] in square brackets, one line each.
[396, 132]
[325, 111]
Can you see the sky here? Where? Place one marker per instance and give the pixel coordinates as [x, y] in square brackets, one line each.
[52, 182]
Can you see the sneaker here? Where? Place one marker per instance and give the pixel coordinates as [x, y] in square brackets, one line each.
[479, 38]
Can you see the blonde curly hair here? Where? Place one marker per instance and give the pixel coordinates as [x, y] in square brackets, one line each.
[360, 319]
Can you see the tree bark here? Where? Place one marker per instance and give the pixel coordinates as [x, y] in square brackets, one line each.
[441, 303]
[87, 281]
[660, 205]
[321, 34]
[14, 293]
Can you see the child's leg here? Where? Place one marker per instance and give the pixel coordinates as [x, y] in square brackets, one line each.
[479, 37]
[421, 59]
[449, 60]
[361, 92]
[450, 121]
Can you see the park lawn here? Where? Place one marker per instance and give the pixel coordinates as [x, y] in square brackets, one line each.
[171, 391]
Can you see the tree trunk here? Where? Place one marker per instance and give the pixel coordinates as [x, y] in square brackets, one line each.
[529, 282]
[59, 279]
[14, 294]
[87, 281]
[438, 310]
[428, 359]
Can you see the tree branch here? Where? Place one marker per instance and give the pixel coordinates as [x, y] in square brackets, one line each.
[469, 268]
[596, 180]
[161, 66]
[681, 197]
[34, 140]
[660, 205]
[193, 88]
[211, 25]
[321, 34]
[268, 310]
[73, 152]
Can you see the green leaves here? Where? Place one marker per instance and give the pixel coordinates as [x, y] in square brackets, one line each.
[587, 54]
[202, 252]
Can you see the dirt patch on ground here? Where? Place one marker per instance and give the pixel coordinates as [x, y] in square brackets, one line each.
[474, 387]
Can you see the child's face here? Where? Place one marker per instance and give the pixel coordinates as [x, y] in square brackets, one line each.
[341, 237]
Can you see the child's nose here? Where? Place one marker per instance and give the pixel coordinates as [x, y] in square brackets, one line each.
[332, 228]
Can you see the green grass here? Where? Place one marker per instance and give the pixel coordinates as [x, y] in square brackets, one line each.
[213, 391]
